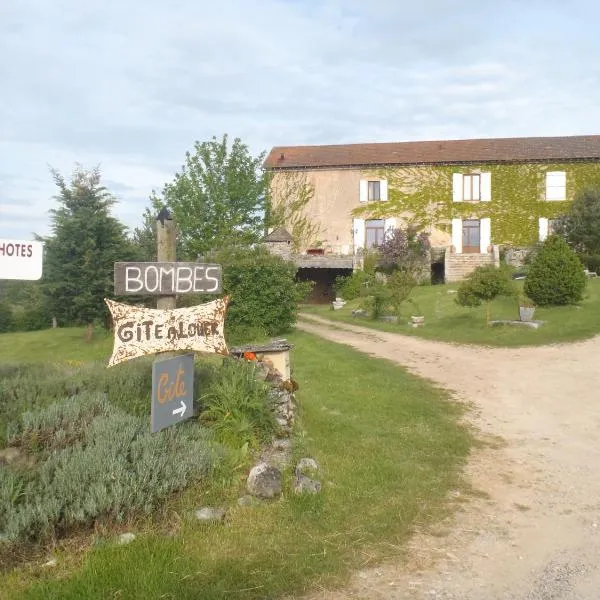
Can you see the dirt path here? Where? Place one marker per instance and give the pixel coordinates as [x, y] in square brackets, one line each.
[537, 534]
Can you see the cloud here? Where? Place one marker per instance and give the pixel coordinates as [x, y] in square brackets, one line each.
[130, 85]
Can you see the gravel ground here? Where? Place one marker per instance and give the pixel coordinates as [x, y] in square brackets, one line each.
[535, 532]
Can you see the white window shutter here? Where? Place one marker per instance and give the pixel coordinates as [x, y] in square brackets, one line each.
[486, 187]
[359, 234]
[389, 225]
[383, 190]
[543, 228]
[457, 234]
[364, 191]
[457, 187]
[485, 235]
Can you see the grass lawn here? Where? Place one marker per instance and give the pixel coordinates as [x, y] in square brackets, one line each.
[59, 344]
[390, 450]
[446, 321]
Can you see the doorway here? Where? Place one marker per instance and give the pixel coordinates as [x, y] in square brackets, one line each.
[471, 236]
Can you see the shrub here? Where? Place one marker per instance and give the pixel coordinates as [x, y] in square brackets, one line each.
[405, 249]
[237, 406]
[112, 467]
[591, 262]
[350, 287]
[580, 227]
[556, 275]
[7, 321]
[400, 285]
[30, 387]
[264, 293]
[483, 285]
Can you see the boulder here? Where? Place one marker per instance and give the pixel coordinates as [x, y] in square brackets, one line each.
[264, 481]
[247, 501]
[306, 485]
[9, 455]
[126, 538]
[209, 514]
[307, 464]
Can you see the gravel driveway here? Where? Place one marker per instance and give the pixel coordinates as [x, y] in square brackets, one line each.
[534, 532]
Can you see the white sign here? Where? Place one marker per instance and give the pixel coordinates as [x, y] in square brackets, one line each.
[21, 260]
[140, 331]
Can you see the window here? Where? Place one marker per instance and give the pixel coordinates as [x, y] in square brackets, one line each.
[375, 230]
[374, 193]
[556, 185]
[471, 187]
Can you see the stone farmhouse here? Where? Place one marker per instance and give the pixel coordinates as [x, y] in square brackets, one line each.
[472, 196]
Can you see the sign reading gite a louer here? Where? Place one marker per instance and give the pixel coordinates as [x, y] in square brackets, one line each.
[166, 278]
[21, 260]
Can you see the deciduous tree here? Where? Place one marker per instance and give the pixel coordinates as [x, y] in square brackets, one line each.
[218, 198]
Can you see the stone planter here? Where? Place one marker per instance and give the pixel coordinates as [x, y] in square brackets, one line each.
[526, 313]
[417, 321]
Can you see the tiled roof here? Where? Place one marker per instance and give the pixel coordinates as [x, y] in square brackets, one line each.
[279, 235]
[440, 152]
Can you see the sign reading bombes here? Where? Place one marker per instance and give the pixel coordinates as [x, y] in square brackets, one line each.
[140, 331]
[166, 278]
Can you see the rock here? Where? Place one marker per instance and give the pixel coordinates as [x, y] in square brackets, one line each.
[282, 445]
[307, 464]
[51, 563]
[264, 481]
[9, 455]
[359, 313]
[210, 515]
[126, 538]
[247, 501]
[389, 319]
[306, 485]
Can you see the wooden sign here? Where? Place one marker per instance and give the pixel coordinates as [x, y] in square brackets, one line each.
[140, 331]
[166, 278]
[172, 391]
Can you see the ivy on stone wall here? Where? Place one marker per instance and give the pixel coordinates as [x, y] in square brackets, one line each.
[422, 195]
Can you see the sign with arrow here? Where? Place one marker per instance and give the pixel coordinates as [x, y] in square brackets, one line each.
[172, 391]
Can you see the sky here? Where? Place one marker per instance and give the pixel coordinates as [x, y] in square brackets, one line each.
[130, 85]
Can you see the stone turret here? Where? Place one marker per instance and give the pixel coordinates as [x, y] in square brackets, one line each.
[279, 242]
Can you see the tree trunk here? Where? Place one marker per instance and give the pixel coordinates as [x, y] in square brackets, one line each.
[89, 332]
[487, 312]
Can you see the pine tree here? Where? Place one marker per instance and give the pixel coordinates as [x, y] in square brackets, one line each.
[80, 254]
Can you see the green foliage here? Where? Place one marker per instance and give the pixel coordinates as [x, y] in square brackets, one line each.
[217, 199]
[376, 299]
[591, 262]
[6, 317]
[350, 287]
[405, 249]
[556, 275]
[400, 285]
[581, 224]
[264, 294]
[484, 284]
[237, 406]
[27, 303]
[80, 254]
[33, 386]
[425, 193]
[92, 461]
[291, 193]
